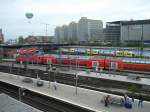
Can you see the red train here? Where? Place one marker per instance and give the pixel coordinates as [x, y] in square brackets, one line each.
[116, 64]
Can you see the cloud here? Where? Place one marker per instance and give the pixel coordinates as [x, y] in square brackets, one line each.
[59, 12]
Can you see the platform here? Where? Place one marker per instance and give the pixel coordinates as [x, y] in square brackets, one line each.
[85, 98]
[143, 81]
[8, 104]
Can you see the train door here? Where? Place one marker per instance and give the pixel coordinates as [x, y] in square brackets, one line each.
[95, 65]
[114, 65]
[49, 62]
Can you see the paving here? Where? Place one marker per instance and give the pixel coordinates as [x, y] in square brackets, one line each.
[8, 104]
[84, 98]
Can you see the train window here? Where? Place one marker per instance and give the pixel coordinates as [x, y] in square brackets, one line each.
[49, 61]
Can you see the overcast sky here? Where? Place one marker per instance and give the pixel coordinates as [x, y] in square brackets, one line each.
[59, 12]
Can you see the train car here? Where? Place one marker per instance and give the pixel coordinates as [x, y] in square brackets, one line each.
[95, 62]
[92, 52]
[136, 66]
[124, 53]
[35, 56]
[32, 55]
[113, 64]
[49, 60]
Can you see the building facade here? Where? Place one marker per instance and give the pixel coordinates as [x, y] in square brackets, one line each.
[58, 35]
[82, 29]
[89, 29]
[138, 30]
[127, 31]
[85, 30]
[65, 33]
[72, 31]
[95, 30]
[112, 31]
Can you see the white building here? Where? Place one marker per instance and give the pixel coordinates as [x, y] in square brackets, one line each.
[89, 29]
[72, 31]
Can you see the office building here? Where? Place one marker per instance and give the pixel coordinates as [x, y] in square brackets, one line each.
[135, 30]
[112, 31]
[72, 31]
[89, 29]
[58, 35]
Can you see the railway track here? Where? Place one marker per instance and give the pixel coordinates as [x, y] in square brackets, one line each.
[74, 66]
[39, 101]
[65, 78]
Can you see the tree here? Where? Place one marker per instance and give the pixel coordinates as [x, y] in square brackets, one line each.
[20, 39]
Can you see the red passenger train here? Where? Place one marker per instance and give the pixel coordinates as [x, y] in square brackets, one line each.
[33, 55]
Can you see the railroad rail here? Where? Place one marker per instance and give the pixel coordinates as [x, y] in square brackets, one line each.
[41, 102]
[66, 78]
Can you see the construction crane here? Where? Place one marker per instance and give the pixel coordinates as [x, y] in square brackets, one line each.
[46, 25]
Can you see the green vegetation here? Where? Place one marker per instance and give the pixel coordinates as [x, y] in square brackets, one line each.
[134, 89]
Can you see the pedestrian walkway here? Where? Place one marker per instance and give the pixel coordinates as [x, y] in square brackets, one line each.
[85, 98]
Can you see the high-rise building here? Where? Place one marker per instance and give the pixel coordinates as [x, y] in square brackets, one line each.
[65, 33]
[89, 29]
[58, 34]
[95, 29]
[1, 36]
[84, 30]
[72, 31]
[112, 31]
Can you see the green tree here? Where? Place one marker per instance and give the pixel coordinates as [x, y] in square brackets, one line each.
[20, 40]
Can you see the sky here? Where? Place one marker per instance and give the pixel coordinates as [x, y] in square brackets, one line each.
[59, 12]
